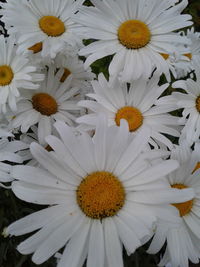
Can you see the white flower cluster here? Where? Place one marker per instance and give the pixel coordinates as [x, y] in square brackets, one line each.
[117, 159]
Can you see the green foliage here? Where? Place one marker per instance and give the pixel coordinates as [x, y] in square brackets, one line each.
[12, 209]
[194, 10]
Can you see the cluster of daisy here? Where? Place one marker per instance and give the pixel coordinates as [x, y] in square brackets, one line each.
[117, 160]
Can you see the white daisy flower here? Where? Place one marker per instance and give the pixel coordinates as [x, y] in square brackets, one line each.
[53, 101]
[182, 62]
[190, 102]
[136, 32]
[194, 46]
[16, 72]
[183, 237]
[179, 63]
[45, 26]
[101, 195]
[182, 65]
[8, 152]
[136, 104]
[42, 61]
[73, 66]
[170, 59]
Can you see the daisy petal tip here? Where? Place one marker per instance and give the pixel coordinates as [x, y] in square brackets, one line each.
[36, 259]
[59, 124]
[179, 84]
[184, 195]
[87, 63]
[4, 186]
[34, 147]
[150, 251]
[14, 186]
[20, 249]
[191, 193]
[47, 138]
[124, 124]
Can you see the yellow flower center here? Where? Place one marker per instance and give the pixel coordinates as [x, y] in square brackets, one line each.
[189, 55]
[6, 75]
[36, 48]
[165, 56]
[198, 103]
[52, 26]
[185, 207]
[100, 195]
[132, 115]
[45, 104]
[134, 34]
[196, 167]
[66, 73]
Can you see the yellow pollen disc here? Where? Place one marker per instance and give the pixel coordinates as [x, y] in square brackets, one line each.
[185, 207]
[198, 103]
[165, 56]
[52, 26]
[36, 48]
[196, 167]
[6, 75]
[134, 34]
[100, 195]
[65, 75]
[132, 115]
[45, 104]
[189, 55]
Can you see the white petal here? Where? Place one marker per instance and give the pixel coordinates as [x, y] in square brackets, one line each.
[112, 244]
[31, 244]
[158, 240]
[35, 175]
[100, 143]
[53, 165]
[162, 196]
[133, 150]
[73, 146]
[44, 128]
[127, 236]
[96, 251]
[39, 195]
[193, 223]
[57, 239]
[35, 220]
[119, 144]
[74, 249]
[153, 173]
